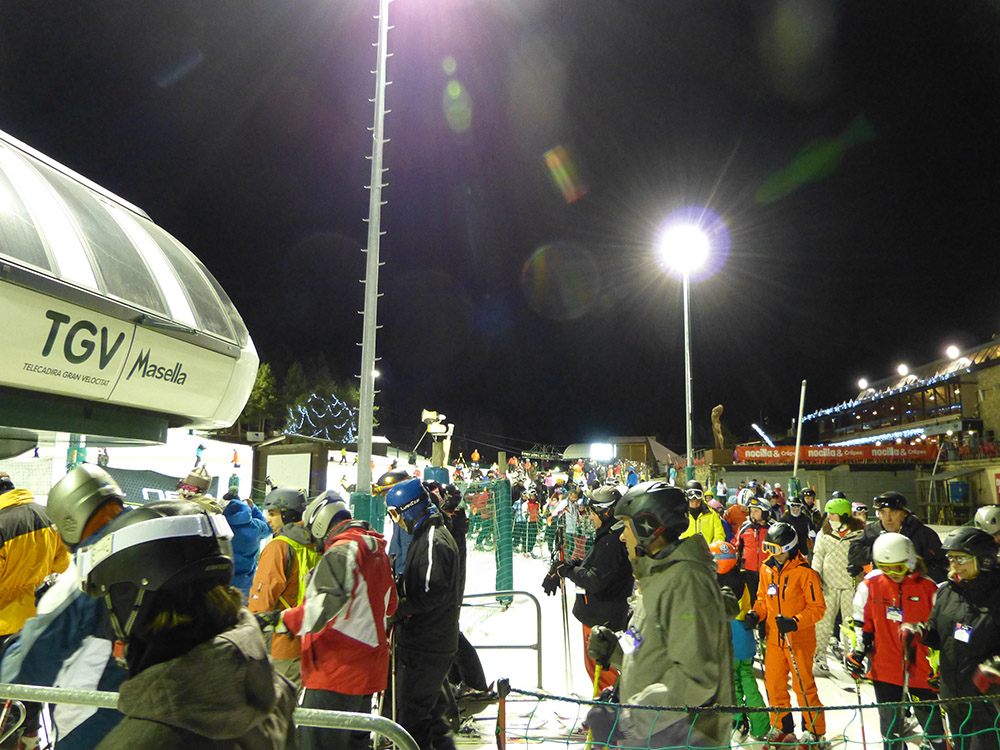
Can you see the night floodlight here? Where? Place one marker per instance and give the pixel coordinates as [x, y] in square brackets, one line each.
[953, 352]
[683, 247]
[903, 370]
[863, 384]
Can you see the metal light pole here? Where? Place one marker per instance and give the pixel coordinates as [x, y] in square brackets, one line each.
[366, 409]
[685, 282]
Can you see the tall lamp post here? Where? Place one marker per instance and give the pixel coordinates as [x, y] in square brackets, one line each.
[684, 248]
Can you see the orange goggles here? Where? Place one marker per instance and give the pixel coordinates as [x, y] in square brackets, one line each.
[394, 514]
[771, 548]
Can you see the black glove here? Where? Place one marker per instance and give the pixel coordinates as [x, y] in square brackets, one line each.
[730, 602]
[550, 584]
[854, 663]
[44, 586]
[562, 569]
[751, 621]
[267, 620]
[602, 644]
[786, 624]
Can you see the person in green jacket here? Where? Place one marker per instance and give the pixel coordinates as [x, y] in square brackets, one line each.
[677, 649]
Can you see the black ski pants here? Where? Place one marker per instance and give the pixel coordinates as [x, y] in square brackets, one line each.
[315, 738]
[419, 676]
[891, 718]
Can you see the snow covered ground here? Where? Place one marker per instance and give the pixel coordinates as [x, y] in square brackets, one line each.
[551, 721]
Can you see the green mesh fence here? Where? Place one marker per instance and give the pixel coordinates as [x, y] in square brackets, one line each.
[532, 717]
[491, 531]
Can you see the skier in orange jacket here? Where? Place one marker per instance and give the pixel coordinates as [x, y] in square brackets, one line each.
[790, 600]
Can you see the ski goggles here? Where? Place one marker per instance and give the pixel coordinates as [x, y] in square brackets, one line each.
[958, 558]
[896, 569]
[394, 514]
[772, 548]
[694, 494]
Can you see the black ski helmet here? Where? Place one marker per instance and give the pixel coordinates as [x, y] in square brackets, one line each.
[657, 509]
[452, 498]
[603, 499]
[158, 546]
[837, 494]
[781, 537]
[891, 499]
[975, 542]
[389, 480]
[289, 501]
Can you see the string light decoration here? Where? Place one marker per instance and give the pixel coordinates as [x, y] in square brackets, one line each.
[873, 395]
[324, 416]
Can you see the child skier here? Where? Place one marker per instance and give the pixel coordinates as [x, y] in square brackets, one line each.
[790, 600]
[744, 644]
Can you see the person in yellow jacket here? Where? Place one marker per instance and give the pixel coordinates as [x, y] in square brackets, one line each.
[702, 519]
[31, 551]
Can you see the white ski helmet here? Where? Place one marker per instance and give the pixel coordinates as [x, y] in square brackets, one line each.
[892, 549]
[988, 519]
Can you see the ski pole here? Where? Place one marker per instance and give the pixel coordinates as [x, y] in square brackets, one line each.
[503, 688]
[392, 658]
[597, 692]
[861, 713]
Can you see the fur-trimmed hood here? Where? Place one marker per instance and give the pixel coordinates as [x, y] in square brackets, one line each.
[852, 523]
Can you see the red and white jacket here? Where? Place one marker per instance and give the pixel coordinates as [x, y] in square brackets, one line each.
[342, 619]
[880, 607]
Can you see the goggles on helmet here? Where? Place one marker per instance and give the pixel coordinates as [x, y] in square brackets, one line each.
[897, 569]
[773, 548]
[694, 494]
[394, 514]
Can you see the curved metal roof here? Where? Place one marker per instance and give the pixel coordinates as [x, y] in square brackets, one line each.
[58, 226]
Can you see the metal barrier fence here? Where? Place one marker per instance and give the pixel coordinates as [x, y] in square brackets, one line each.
[537, 645]
[306, 717]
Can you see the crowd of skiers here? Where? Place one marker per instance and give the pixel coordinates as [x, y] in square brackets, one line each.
[919, 618]
[144, 603]
[209, 646]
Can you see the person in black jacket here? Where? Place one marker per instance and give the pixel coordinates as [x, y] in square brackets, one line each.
[426, 627]
[965, 625]
[893, 516]
[798, 520]
[603, 577]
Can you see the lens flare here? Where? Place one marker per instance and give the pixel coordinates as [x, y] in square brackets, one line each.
[457, 106]
[693, 238]
[564, 174]
[560, 281]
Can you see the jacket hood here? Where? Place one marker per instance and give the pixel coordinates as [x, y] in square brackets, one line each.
[220, 689]
[237, 513]
[693, 549]
[16, 496]
[854, 526]
[360, 530]
[296, 532]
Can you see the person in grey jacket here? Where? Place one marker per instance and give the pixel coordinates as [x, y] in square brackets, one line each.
[677, 649]
[839, 530]
[199, 672]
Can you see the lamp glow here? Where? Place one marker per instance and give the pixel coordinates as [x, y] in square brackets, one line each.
[903, 370]
[683, 247]
[952, 352]
[863, 384]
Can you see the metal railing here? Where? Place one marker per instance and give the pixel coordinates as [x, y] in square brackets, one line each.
[536, 646]
[306, 717]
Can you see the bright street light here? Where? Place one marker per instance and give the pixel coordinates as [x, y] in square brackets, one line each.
[953, 352]
[903, 370]
[863, 384]
[689, 240]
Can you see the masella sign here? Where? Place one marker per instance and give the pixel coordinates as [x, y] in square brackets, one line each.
[69, 350]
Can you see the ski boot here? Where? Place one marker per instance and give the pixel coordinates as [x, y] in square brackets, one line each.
[777, 739]
[821, 668]
[812, 741]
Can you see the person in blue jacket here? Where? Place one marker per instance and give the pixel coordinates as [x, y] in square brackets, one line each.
[249, 529]
[67, 644]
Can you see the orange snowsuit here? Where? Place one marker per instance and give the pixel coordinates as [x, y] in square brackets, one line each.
[793, 590]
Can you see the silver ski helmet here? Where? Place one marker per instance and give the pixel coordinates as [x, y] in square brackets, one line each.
[75, 498]
[323, 514]
[289, 501]
[988, 519]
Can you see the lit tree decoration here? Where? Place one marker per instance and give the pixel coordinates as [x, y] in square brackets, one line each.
[326, 417]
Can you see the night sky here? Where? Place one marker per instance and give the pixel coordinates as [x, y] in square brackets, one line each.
[850, 147]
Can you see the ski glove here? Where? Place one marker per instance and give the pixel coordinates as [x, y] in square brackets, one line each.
[854, 663]
[267, 620]
[563, 569]
[786, 624]
[751, 621]
[912, 633]
[550, 584]
[602, 644]
[987, 676]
